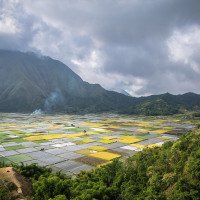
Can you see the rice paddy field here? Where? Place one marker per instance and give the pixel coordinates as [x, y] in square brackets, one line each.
[73, 143]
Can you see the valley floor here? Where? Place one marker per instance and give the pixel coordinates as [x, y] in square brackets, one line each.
[74, 143]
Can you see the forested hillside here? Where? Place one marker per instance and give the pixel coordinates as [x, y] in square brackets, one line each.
[169, 172]
[165, 104]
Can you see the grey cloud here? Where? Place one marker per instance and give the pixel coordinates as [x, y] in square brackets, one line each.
[130, 38]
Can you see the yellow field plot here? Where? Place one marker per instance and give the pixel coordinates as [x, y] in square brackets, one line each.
[92, 133]
[142, 146]
[155, 145]
[85, 141]
[86, 151]
[45, 137]
[129, 139]
[139, 146]
[114, 127]
[105, 155]
[104, 141]
[161, 131]
[142, 130]
[7, 124]
[108, 137]
[98, 148]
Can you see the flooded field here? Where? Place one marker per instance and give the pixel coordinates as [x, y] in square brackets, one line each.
[73, 143]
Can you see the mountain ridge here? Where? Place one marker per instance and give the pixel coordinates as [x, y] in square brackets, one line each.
[29, 82]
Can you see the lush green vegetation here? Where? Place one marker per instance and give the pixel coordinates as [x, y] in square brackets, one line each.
[169, 172]
[165, 104]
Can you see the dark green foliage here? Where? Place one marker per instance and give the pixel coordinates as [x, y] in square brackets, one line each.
[52, 186]
[165, 104]
[59, 197]
[196, 115]
[154, 107]
[4, 193]
[34, 171]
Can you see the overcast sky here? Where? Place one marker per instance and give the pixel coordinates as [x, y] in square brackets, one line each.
[142, 46]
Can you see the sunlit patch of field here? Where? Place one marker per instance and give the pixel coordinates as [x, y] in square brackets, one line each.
[130, 139]
[159, 144]
[142, 146]
[49, 137]
[108, 141]
[97, 148]
[105, 155]
[85, 141]
[86, 151]
[161, 131]
[7, 125]
[109, 137]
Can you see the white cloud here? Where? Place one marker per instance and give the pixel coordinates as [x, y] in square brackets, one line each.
[8, 25]
[183, 45]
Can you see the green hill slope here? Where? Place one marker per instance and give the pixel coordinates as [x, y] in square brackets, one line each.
[29, 82]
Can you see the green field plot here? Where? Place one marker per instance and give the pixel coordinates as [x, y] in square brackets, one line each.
[75, 130]
[14, 147]
[40, 141]
[17, 140]
[3, 137]
[4, 160]
[19, 158]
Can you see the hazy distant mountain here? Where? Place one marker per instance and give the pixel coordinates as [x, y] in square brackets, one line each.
[29, 82]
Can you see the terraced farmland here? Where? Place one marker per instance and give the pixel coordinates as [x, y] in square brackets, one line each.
[72, 143]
